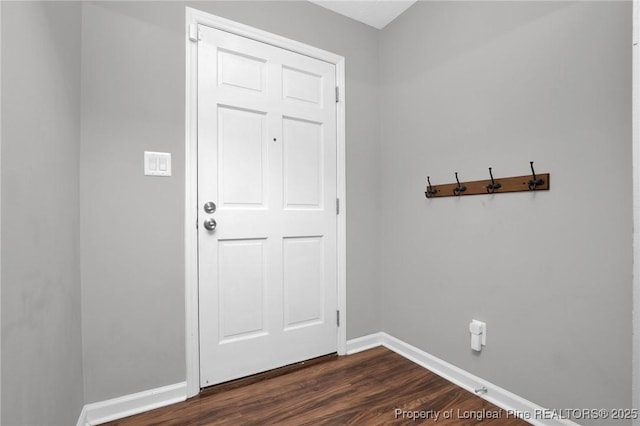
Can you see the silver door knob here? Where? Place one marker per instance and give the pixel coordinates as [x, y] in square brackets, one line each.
[210, 207]
[210, 224]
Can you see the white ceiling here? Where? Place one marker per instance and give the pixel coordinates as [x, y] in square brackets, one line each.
[377, 13]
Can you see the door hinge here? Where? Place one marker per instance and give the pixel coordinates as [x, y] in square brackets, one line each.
[194, 32]
[337, 94]
[337, 205]
[338, 318]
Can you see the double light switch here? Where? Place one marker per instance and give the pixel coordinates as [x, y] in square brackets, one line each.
[157, 163]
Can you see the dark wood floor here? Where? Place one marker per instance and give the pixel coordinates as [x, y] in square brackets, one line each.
[373, 387]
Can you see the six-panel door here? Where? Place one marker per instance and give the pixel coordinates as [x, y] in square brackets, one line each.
[267, 159]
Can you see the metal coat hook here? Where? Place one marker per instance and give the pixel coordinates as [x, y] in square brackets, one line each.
[493, 185]
[533, 183]
[460, 188]
[430, 189]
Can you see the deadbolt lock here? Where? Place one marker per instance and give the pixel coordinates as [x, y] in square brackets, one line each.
[210, 207]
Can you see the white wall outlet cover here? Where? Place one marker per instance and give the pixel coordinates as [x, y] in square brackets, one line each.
[478, 330]
[157, 163]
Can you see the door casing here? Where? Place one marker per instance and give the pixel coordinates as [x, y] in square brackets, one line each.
[635, 120]
[193, 18]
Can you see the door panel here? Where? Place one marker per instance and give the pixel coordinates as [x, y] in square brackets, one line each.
[298, 85]
[267, 158]
[303, 179]
[303, 278]
[243, 160]
[241, 71]
[241, 281]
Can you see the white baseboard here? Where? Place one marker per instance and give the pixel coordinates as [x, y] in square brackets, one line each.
[510, 402]
[125, 406]
[118, 408]
[363, 343]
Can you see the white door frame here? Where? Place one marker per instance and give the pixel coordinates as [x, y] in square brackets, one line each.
[0, 207]
[635, 120]
[193, 18]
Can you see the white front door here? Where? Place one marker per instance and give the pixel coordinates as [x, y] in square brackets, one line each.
[267, 159]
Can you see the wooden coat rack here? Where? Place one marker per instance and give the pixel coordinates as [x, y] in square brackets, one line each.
[532, 182]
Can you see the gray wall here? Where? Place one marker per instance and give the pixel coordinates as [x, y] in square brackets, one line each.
[41, 335]
[132, 226]
[468, 85]
[449, 86]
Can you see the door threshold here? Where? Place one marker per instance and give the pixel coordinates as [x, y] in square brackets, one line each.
[259, 377]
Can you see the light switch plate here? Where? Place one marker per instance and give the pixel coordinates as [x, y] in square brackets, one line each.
[157, 163]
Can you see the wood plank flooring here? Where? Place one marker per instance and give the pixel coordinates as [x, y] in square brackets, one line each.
[373, 387]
